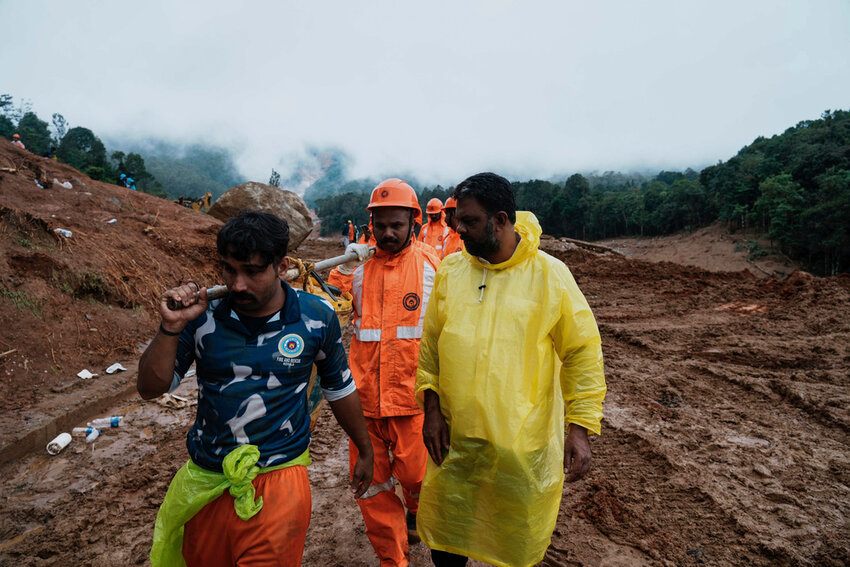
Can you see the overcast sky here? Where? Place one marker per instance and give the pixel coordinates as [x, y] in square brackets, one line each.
[438, 89]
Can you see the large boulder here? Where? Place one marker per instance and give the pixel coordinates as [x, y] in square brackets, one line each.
[271, 199]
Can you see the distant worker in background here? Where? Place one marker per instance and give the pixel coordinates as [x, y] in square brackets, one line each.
[130, 183]
[122, 180]
[50, 153]
[366, 236]
[453, 242]
[254, 350]
[16, 141]
[510, 355]
[349, 233]
[435, 231]
[391, 292]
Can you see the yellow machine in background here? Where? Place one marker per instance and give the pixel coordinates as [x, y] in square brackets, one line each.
[202, 204]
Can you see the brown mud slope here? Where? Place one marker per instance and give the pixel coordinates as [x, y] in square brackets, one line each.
[711, 248]
[725, 440]
[84, 301]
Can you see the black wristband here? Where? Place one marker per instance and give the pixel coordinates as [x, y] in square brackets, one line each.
[168, 333]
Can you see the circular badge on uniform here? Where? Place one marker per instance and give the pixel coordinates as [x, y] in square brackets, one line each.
[411, 301]
[291, 345]
[384, 193]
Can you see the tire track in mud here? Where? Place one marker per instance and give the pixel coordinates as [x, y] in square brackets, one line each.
[630, 483]
[745, 446]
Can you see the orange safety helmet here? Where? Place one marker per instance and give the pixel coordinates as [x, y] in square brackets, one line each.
[451, 203]
[395, 193]
[434, 206]
[16, 136]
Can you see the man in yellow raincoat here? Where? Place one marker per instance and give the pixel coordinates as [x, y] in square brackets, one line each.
[510, 352]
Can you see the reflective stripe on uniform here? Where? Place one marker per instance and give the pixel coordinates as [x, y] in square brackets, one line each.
[408, 332]
[368, 335]
[357, 288]
[427, 286]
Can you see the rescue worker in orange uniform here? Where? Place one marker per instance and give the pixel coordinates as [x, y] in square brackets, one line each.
[453, 243]
[366, 236]
[391, 292]
[436, 230]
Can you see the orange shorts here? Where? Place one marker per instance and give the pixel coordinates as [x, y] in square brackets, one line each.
[217, 537]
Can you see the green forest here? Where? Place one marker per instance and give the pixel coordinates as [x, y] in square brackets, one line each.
[165, 170]
[794, 187]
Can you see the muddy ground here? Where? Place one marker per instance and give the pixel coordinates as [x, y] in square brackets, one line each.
[725, 439]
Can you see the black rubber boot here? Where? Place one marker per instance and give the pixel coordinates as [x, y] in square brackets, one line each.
[412, 535]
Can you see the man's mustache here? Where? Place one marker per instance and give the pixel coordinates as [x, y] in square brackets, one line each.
[243, 296]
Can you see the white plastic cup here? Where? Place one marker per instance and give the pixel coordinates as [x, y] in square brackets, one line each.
[60, 442]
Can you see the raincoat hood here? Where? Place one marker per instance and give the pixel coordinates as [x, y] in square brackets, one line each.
[529, 231]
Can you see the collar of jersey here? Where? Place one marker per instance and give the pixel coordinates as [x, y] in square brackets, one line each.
[291, 312]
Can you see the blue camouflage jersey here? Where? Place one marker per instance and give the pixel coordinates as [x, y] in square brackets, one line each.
[253, 389]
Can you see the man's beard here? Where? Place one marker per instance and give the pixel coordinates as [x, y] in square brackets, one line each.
[488, 245]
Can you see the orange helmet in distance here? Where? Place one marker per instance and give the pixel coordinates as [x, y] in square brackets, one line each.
[451, 203]
[434, 206]
[395, 193]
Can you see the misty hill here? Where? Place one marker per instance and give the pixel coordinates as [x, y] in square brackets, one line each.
[189, 171]
[333, 179]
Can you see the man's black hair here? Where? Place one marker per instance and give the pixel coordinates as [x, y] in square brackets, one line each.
[254, 232]
[493, 192]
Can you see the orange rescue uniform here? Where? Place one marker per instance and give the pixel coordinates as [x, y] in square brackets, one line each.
[435, 233]
[452, 243]
[370, 242]
[390, 293]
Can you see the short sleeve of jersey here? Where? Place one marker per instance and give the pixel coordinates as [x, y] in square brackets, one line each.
[331, 362]
[185, 351]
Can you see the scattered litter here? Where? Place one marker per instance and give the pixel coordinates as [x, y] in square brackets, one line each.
[174, 402]
[115, 368]
[189, 373]
[742, 308]
[85, 374]
[63, 232]
[39, 185]
[65, 184]
[112, 421]
[60, 442]
[90, 433]
[111, 221]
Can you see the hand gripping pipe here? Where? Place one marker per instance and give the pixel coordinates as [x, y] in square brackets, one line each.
[218, 291]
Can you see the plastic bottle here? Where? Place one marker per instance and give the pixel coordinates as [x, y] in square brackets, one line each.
[90, 433]
[105, 422]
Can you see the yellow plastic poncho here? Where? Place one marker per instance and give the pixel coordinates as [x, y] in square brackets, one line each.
[494, 356]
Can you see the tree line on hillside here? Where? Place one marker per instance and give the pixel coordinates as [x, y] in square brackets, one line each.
[795, 187]
[168, 171]
[79, 147]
